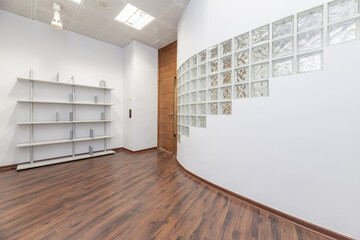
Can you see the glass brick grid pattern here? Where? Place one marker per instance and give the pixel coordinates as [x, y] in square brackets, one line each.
[240, 67]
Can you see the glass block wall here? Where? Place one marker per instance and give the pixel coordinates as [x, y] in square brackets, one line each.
[241, 67]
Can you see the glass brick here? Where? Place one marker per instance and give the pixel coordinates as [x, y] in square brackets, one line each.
[283, 27]
[202, 96]
[178, 137]
[226, 47]
[213, 94]
[310, 19]
[260, 71]
[213, 81]
[202, 109]
[226, 78]
[283, 47]
[241, 75]
[226, 63]
[241, 91]
[225, 108]
[202, 83]
[193, 97]
[213, 52]
[213, 108]
[187, 64]
[193, 73]
[194, 85]
[187, 76]
[193, 109]
[213, 66]
[186, 109]
[187, 120]
[343, 32]
[202, 57]
[225, 93]
[242, 41]
[310, 62]
[202, 70]
[260, 53]
[193, 121]
[341, 9]
[310, 40]
[186, 132]
[187, 87]
[202, 122]
[260, 34]
[182, 120]
[283, 67]
[260, 89]
[193, 61]
[242, 58]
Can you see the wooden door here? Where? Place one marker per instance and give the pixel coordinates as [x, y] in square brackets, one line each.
[166, 98]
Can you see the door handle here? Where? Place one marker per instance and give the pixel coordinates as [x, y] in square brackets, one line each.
[171, 114]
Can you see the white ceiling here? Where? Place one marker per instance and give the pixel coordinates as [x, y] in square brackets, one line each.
[88, 19]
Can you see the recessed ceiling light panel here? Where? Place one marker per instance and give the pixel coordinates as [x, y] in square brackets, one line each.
[77, 1]
[134, 17]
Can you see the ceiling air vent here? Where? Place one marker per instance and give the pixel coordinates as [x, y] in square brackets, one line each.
[102, 4]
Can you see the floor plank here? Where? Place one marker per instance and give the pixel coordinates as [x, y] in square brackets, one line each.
[128, 196]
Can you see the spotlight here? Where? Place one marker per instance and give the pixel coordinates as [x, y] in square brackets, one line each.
[56, 22]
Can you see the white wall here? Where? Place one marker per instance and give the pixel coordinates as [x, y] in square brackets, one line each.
[26, 44]
[141, 96]
[297, 150]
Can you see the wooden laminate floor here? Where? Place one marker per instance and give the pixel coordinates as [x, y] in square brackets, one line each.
[128, 196]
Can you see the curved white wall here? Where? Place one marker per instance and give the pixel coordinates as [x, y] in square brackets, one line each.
[297, 150]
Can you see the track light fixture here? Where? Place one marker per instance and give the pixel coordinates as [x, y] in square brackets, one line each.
[56, 22]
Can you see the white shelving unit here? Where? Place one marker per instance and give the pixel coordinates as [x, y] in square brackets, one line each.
[73, 122]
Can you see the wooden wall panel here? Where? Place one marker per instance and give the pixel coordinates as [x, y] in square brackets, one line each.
[166, 98]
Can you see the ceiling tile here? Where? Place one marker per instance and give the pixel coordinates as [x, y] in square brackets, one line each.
[22, 8]
[114, 39]
[144, 38]
[86, 29]
[157, 29]
[153, 7]
[115, 7]
[120, 29]
[170, 37]
[87, 17]
[68, 7]
[172, 16]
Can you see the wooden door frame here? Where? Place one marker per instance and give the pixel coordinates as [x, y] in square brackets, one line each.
[175, 102]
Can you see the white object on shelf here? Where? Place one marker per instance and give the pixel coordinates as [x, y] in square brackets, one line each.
[91, 151]
[36, 164]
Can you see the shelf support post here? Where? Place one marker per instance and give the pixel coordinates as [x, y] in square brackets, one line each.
[31, 115]
[105, 130]
[73, 112]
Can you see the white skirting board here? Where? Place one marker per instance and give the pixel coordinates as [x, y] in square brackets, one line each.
[36, 164]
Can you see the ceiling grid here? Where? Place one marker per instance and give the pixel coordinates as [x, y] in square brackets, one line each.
[91, 20]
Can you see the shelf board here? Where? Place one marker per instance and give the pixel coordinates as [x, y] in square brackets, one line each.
[61, 141]
[63, 122]
[62, 83]
[61, 160]
[67, 103]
